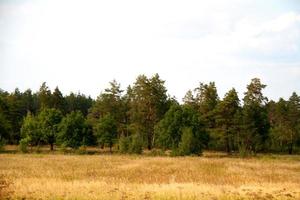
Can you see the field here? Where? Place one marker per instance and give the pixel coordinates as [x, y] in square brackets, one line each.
[212, 176]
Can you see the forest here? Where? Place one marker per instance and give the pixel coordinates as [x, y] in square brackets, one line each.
[145, 116]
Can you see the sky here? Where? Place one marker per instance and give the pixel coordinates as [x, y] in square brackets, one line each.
[82, 45]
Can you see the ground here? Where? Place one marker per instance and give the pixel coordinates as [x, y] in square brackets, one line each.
[212, 176]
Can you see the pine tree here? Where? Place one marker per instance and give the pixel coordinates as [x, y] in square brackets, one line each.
[255, 119]
[225, 119]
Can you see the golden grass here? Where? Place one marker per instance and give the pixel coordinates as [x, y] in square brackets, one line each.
[46, 176]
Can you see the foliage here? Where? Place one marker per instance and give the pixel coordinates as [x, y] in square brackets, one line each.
[44, 96]
[82, 150]
[168, 130]
[148, 105]
[106, 132]
[136, 145]
[131, 144]
[255, 120]
[178, 120]
[188, 145]
[145, 116]
[78, 102]
[58, 100]
[284, 119]
[31, 130]
[23, 145]
[4, 127]
[73, 130]
[49, 120]
[2, 144]
[226, 112]
[111, 103]
[124, 144]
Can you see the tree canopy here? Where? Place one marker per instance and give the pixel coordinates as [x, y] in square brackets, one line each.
[146, 116]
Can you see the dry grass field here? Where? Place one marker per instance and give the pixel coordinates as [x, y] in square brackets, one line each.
[212, 176]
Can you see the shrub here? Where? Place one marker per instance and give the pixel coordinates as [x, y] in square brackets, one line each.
[189, 143]
[82, 150]
[124, 144]
[136, 145]
[157, 152]
[63, 148]
[23, 145]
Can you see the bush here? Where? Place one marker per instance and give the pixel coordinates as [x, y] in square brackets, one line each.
[23, 145]
[63, 148]
[132, 144]
[189, 143]
[136, 145]
[82, 150]
[185, 146]
[157, 152]
[124, 144]
[174, 152]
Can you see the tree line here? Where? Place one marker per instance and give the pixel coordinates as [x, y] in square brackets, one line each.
[146, 116]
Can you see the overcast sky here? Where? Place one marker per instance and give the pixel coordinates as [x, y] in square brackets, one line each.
[82, 45]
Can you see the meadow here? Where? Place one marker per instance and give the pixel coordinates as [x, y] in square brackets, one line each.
[103, 176]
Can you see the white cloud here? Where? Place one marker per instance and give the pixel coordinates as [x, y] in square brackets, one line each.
[270, 37]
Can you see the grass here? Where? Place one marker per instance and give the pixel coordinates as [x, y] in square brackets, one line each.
[212, 176]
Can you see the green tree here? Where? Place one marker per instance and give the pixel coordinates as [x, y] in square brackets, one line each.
[110, 102]
[17, 110]
[294, 121]
[226, 112]
[78, 102]
[14, 107]
[178, 120]
[5, 125]
[4, 130]
[31, 130]
[29, 102]
[280, 130]
[255, 119]
[206, 100]
[107, 131]
[74, 131]
[168, 130]
[44, 96]
[58, 100]
[193, 120]
[148, 104]
[188, 144]
[49, 120]
[136, 144]
[189, 99]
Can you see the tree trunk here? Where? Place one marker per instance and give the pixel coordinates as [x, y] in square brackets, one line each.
[51, 147]
[149, 145]
[291, 148]
[149, 142]
[227, 145]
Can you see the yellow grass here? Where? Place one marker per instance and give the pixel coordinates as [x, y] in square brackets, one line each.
[57, 176]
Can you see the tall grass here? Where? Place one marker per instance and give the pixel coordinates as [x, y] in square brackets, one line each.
[45, 176]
